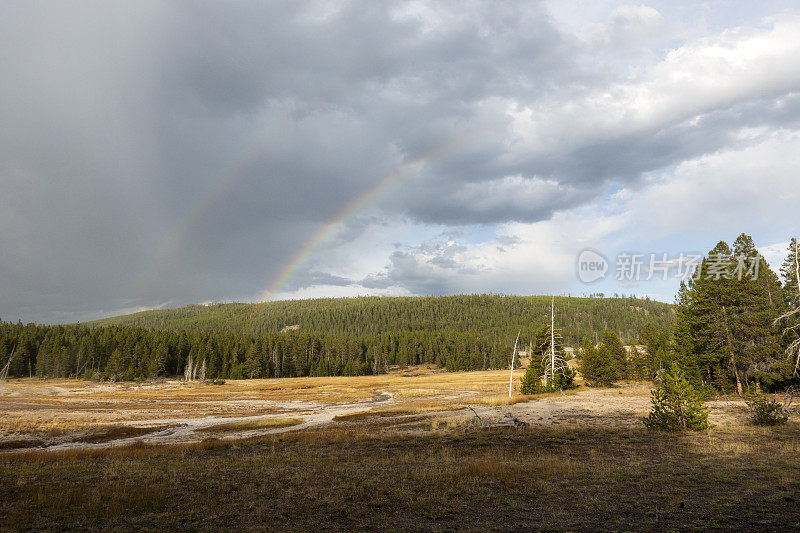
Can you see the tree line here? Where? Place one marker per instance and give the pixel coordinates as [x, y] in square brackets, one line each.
[350, 336]
[737, 326]
[490, 316]
[134, 353]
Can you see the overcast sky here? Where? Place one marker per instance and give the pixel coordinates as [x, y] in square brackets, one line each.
[154, 154]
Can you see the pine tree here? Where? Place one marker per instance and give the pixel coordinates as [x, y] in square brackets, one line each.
[638, 367]
[790, 319]
[598, 368]
[252, 364]
[158, 361]
[612, 347]
[790, 271]
[724, 317]
[675, 404]
[116, 365]
[761, 302]
[532, 379]
[648, 337]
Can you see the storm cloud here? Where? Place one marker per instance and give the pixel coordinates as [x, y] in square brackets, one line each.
[162, 153]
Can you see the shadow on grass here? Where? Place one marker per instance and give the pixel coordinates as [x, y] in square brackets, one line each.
[346, 478]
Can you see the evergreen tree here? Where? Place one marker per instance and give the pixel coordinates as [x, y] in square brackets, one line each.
[638, 367]
[158, 361]
[790, 320]
[725, 318]
[598, 368]
[675, 404]
[611, 347]
[252, 365]
[790, 271]
[532, 381]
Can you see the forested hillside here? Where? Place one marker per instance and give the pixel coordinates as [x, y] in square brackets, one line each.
[130, 352]
[334, 337]
[494, 317]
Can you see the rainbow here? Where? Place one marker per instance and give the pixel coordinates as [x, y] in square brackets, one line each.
[201, 206]
[370, 195]
[217, 187]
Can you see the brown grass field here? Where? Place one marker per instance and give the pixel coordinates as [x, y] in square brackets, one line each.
[401, 451]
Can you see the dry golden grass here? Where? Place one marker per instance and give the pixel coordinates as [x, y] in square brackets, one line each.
[363, 415]
[342, 478]
[136, 449]
[11, 424]
[47, 408]
[451, 422]
[504, 399]
[505, 466]
[494, 467]
[43, 428]
[258, 423]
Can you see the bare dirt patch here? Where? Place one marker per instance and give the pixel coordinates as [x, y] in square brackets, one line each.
[69, 413]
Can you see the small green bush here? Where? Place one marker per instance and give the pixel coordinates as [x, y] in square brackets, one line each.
[766, 411]
[218, 382]
[677, 406]
[532, 383]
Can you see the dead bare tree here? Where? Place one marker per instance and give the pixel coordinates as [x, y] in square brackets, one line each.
[553, 362]
[4, 371]
[793, 350]
[519, 424]
[187, 373]
[513, 359]
[476, 418]
[790, 394]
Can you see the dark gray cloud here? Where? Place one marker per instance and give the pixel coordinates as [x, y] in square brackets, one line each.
[430, 268]
[314, 277]
[178, 152]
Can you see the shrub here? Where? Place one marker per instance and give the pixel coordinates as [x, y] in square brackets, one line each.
[766, 412]
[532, 383]
[676, 404]
[564, 380]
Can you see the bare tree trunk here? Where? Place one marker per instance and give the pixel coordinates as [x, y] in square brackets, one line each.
[796, 343]
[4, 371]
[552, 340]
[793, 350]
[797, 268]
[739, 388]
[513, 358]
[187, 372]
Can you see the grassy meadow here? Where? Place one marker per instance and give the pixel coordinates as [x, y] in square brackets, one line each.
[348, 477]
[402, 451]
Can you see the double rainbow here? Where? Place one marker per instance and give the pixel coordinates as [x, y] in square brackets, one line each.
[226, 179]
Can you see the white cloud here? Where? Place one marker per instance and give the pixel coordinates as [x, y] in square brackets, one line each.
[198, 155]
[697, 78]
[687, 210]
[628, 25]
[775, 254]
[754, 188]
